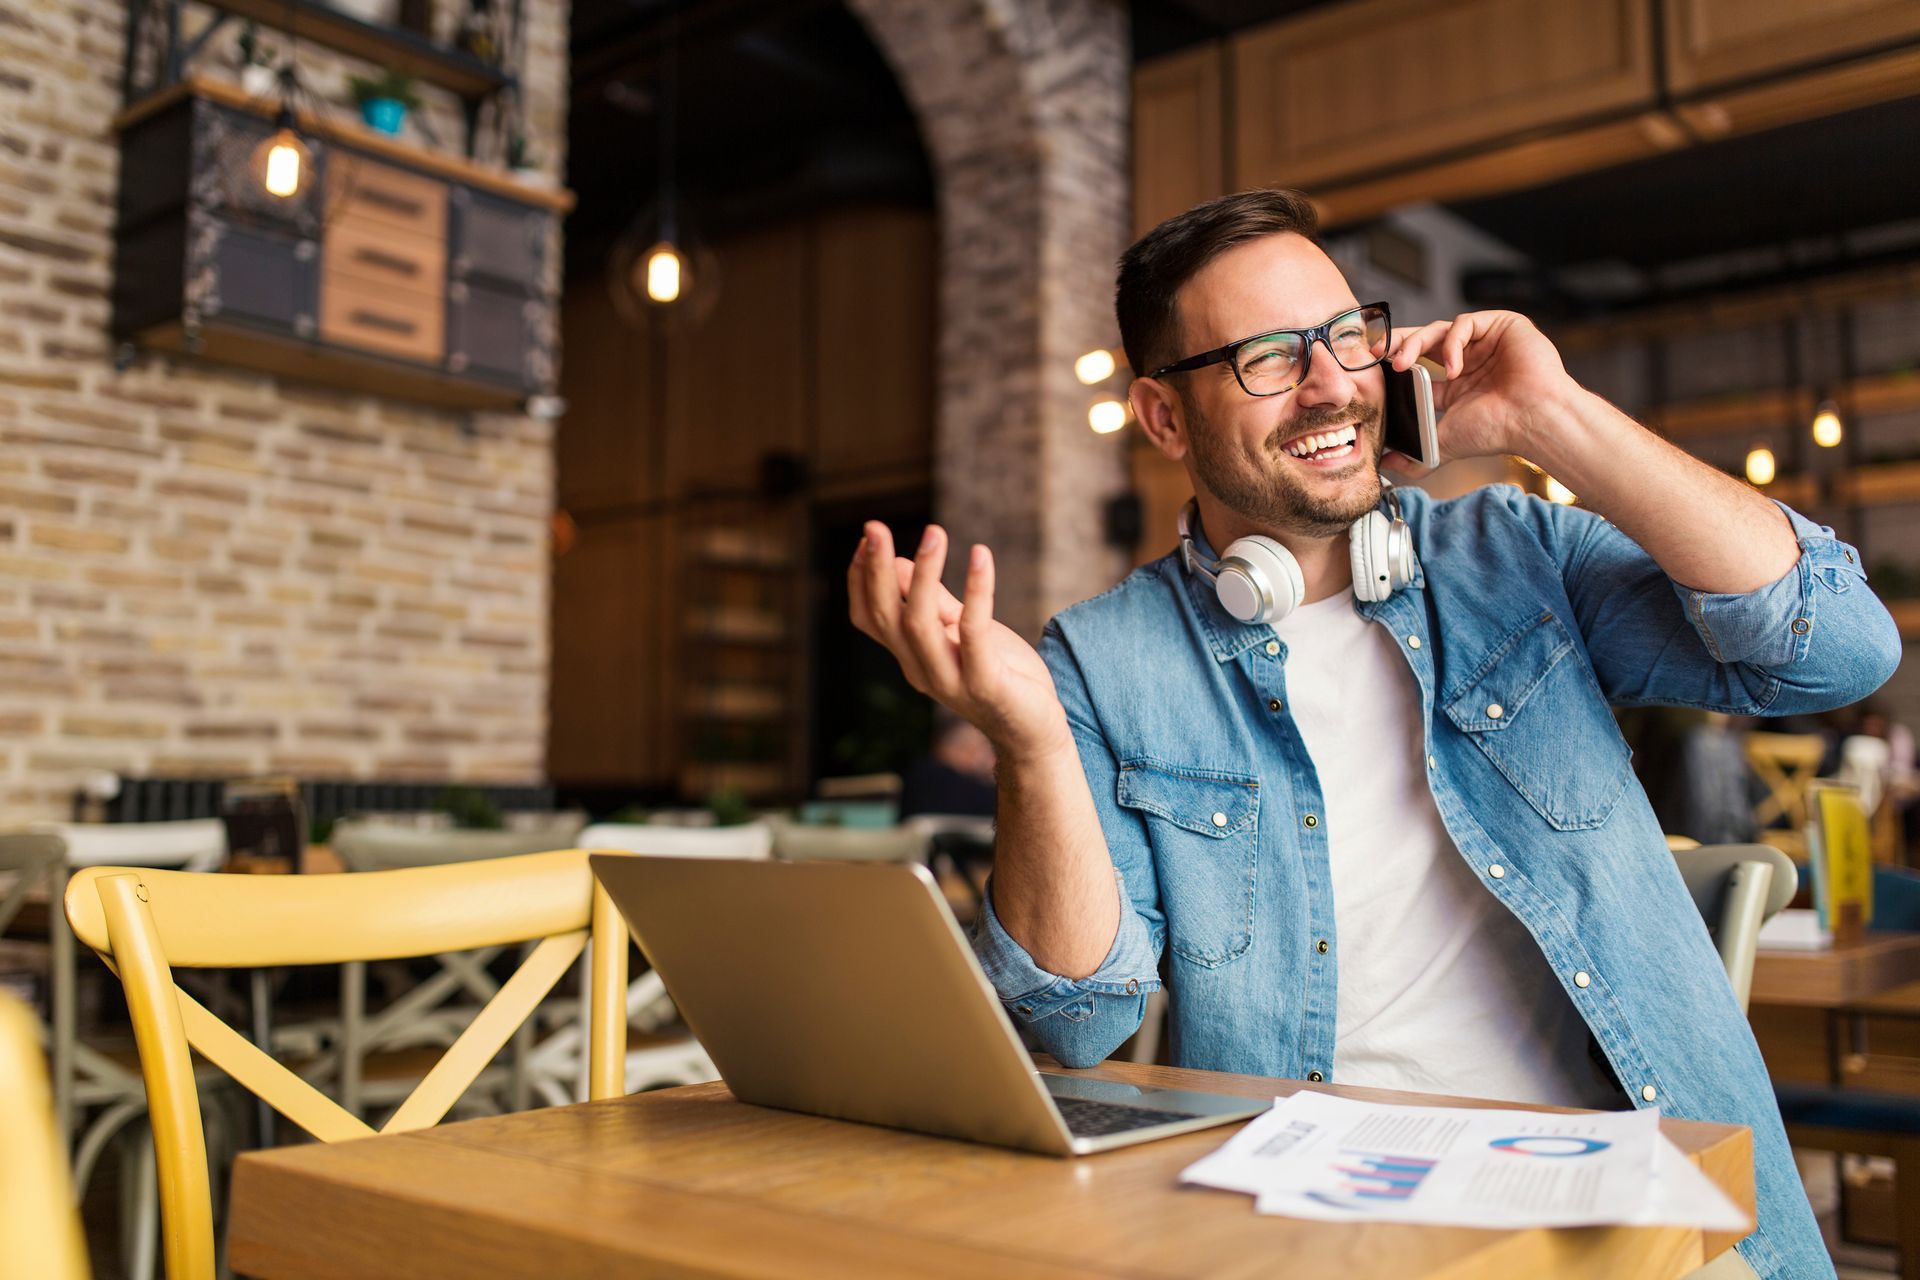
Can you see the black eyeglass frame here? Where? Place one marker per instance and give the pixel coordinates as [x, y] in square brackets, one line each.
[1321, 333]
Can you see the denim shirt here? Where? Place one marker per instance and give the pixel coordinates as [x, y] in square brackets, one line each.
[1524, 621]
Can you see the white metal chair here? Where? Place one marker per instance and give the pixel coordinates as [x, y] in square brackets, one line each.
[1738, 888]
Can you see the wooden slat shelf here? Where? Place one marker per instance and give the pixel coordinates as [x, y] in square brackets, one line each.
[384, 46]
[1723, 415]
[350, 133]
[1738, 310]
[1798, 492]
[1877, 485]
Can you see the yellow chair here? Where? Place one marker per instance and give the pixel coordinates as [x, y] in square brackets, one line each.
[143, 922]
[39, 1222]
[1786, 763]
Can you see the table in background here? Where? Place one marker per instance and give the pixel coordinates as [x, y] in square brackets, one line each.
[1815, 1013]
[691, 1182]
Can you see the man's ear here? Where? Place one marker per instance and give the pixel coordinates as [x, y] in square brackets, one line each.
[1161, 414]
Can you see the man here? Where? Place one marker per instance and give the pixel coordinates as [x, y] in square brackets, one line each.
[1391, 842]
[956, 777]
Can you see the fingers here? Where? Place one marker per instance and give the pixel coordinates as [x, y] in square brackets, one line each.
[976, 615]
[921, 624]
[945, 604]
[878, 591]
[1453, 347]
[1416, 343]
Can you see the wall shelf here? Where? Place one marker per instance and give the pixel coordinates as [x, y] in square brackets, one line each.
[396, 47]
[1881, 485]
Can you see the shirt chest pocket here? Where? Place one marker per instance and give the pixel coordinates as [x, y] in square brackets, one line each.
[1203, 826]
[1536, 712]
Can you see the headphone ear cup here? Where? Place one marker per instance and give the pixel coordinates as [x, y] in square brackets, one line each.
[1373, 575]
[1260, 581]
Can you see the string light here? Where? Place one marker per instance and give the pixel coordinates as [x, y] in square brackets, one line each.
[665, 272]
[1827, 431]
[1095, 366]
[1107, 416]
[1760, 465]
[282, 164]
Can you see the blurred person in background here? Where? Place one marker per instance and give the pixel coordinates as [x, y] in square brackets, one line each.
[955, 777]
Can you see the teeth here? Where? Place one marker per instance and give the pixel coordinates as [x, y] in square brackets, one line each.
[1327, 440]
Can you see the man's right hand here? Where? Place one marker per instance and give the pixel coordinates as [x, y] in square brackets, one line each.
[953, 650]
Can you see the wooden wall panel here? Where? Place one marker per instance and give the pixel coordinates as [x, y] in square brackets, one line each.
[606, 450]
[1164, 488]
[610, 655]
[1179, 138]
[1711, 42]
[740, 379]
[1357, 88]
[873, 379]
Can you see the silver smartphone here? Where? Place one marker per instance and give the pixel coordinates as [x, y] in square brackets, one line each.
[1410, 422]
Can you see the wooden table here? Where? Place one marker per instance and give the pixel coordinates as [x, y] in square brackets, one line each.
[689, 1182]
[1844, 974]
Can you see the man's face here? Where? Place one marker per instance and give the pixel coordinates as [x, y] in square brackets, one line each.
[1245, 449]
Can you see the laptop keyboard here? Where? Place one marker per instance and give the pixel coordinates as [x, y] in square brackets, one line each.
[1097, 1119]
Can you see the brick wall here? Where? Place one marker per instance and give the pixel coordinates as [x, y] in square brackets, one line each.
[1023, 106]
[205, 571]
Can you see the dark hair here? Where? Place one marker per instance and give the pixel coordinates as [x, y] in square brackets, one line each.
[1158, 263]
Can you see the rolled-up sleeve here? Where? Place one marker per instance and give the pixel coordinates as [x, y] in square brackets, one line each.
[1082, 1020]
[1815, 638]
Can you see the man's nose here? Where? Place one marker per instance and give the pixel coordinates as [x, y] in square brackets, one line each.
[1326, 382]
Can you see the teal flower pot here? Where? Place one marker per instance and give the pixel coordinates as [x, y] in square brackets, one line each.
[384, 114]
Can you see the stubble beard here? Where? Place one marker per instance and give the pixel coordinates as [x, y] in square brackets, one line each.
[1265, 489]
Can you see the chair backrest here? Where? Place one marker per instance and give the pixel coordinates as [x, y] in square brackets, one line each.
[199, 844]
[749, 840]
[797, 843]
[1786, 763]
[39, 1219]
[144, 922]
[378, 846]
[1738, 888]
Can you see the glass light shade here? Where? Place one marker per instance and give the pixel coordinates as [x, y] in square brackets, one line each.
[1107, 416]
[283, 164]
[1559, 493]
[1095, 366]
[1827, 431]
[1760, 465]
[661, 273]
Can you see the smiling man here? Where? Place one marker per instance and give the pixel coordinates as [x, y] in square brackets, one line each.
[1383, 831]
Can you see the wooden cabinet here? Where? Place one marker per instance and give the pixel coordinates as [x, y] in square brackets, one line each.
[395, 273]
[1713, 42]
[1179, 142]
[1358, 88]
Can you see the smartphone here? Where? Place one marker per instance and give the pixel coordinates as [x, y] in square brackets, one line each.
[1410, 424]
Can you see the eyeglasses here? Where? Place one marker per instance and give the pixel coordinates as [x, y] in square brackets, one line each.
[1268, 364]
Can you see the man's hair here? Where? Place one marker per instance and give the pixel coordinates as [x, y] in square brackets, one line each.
[1158, 263]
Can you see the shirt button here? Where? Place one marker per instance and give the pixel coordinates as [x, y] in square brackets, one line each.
[1311, 821]
[1133, 986]
[1025, 1008]
[1496, 871]
[1315, 1077]
[1273, 648]
[1413, 642]
[1581, 979]
[1273, 704]
[1801, 626]
[1495, 711]
[1321, 946]
[1219, 819]
[1649, 1093]
[1432, 763]
[1848, 555]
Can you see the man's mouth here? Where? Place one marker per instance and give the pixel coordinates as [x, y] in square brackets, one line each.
[1324, 447]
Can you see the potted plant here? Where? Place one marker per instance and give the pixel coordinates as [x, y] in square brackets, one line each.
[258, 78]
[521, 161]
[385, 99]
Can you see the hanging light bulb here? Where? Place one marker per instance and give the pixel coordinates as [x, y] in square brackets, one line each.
[666, 271]
[1760, 465]
[282, 162]
[1107, 416]
[1557, 492]
[1827, 431]
[1095, 366]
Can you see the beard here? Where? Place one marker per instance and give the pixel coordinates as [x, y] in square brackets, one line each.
[1265, 489]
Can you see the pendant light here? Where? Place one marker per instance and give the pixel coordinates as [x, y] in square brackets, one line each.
[660, 272]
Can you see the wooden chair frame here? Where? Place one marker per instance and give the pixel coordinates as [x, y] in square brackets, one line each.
[39, 1221]
[144, 922]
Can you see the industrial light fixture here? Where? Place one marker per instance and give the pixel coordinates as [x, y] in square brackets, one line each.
[1095, 366]
[1107, 416]
[282, 162]
[1760, 465]
[1827, 431]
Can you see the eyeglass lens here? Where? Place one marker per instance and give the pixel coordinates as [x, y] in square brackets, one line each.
[1276, 362]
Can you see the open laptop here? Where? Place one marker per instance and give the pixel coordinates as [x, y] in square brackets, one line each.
[846, 990]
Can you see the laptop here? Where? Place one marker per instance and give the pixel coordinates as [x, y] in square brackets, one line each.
[845, 989]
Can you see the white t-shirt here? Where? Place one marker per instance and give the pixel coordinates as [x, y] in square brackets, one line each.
[1442, 990]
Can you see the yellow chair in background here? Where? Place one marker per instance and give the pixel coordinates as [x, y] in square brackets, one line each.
[39, 1222]
[1786, 763]
[143, 922]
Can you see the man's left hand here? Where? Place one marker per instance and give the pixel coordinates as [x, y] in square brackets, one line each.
[1501, 372]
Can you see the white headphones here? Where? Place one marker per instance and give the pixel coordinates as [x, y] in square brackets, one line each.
[1259, 581]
